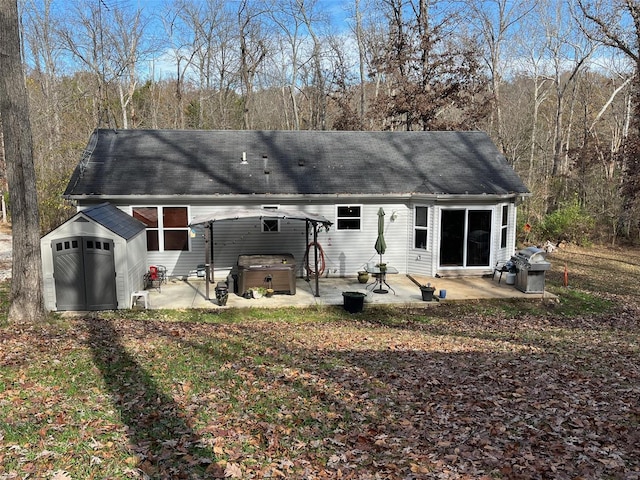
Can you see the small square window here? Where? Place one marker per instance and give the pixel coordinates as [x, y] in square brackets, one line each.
[348, 217]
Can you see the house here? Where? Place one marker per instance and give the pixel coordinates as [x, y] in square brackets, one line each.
[449, 198]
[94, 261]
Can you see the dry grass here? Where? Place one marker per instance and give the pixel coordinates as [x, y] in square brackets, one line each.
[498, 389]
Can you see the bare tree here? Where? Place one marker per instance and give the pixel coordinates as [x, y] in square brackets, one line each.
[27, 304]
[432, 70]
[286, 16]
[253, 50]
[107, 41]
[495, 21]
[617, 25]
[568, 53]
[201, 34]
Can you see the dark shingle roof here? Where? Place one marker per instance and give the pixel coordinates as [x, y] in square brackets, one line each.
[115, 220]
[197, 162]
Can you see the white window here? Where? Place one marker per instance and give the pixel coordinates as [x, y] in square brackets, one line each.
[348, 217]
[503, 226]
[167, 227]
[270, 225]
[421, 227]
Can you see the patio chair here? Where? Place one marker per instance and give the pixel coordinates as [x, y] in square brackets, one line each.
[502, 267]
[155, 277]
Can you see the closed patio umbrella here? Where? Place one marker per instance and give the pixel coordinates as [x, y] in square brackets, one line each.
[381, 245]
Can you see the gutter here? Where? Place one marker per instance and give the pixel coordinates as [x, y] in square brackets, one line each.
[310, 197]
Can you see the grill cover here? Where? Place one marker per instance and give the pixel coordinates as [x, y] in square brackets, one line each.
[531, 258]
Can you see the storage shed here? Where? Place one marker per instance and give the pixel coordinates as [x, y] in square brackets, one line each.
[94, 261]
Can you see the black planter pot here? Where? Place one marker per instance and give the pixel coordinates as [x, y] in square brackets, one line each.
[427, 293]
[353, 301]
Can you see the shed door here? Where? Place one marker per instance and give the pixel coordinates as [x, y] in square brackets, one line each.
[84, 273]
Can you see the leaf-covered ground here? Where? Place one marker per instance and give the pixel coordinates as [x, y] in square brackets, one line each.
[475, 390]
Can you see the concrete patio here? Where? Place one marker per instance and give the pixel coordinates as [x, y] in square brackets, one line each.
[191, 293]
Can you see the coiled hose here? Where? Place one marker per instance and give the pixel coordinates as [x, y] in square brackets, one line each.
[321, 264]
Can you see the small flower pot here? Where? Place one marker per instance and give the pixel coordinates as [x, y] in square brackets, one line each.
[363, 276]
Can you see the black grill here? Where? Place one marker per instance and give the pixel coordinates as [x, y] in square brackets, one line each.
[531, 266]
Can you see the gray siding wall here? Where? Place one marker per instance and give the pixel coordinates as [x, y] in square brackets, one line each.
[345, 251]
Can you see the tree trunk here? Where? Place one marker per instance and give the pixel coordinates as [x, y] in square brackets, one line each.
[361, 64]
[27, 304]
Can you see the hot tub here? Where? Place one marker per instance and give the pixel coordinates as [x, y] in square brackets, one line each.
[276, 271]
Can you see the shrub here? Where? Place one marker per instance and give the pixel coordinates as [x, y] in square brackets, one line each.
[571, 223]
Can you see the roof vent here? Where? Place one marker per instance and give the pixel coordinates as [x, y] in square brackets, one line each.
[265, 160]
[301, 162]
[244, 158]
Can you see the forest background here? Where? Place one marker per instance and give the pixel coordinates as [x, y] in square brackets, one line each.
[554, 83]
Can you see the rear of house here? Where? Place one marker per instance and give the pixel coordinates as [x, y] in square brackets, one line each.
[449, 198]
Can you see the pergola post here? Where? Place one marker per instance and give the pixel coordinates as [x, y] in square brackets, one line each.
[315, 252]
[207, 256]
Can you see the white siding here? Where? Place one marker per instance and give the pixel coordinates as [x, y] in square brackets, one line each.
[422, 261]
[426, 262]
[348, 251]
[345, 251]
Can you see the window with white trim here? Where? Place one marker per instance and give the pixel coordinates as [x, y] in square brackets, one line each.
[167, 227]
[348, 217]
[270, 225]
[420, 227]
[503, 226]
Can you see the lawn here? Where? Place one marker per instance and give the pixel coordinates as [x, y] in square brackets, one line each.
[491, 389]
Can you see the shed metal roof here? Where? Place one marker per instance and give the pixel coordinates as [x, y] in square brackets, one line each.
[198, 162]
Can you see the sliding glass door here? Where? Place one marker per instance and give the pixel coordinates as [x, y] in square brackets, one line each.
[465, 238]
